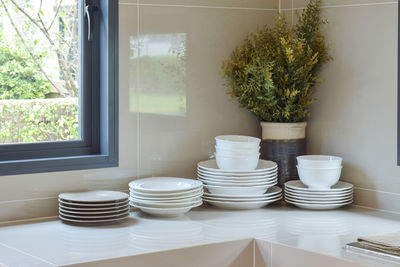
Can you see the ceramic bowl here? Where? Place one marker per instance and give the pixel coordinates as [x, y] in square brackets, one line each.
[234, 152]
[319, 178]
[237, 163]
[319, 161]
[237, 142]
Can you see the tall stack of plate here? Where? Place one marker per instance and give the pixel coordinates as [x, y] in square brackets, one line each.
[94, 207]
[165, 196]
[298, 194]
[239, 189]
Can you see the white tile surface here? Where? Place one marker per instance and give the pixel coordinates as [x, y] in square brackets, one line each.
[286, 228]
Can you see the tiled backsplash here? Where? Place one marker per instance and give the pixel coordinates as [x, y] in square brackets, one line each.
[173, 100]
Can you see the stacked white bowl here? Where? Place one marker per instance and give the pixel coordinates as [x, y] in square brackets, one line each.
[165, 196]
[319, 186]
[237, 152]
[237, 178]
[319, 171]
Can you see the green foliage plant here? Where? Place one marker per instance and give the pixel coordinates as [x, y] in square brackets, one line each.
[274, 72]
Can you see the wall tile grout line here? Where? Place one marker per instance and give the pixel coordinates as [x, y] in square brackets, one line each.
[378, 191]
[28, 254]
[375, 209]
[345, 5]
[137, 88]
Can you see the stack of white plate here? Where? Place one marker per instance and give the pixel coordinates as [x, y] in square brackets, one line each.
[165, 196]
[239, 189]
[338, 195]
[93, 207]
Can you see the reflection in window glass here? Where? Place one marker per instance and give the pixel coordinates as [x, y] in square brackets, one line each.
[158, 70]
[38, 71]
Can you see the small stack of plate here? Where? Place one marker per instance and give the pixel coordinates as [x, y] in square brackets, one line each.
[239, 189]
[165, 196]
[94, 207]
[338, 195]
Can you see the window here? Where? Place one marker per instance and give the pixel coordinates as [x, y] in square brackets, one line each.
[58, 85]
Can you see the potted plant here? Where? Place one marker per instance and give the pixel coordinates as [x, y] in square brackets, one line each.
[274, 74]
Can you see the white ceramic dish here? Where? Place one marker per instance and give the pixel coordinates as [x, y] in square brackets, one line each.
[299, 186]
[211, 166]
[227, 190]
[94, 196]
[166, 195]
[93, 212]
[318, 206]
[319, 161]
[168, 199]
[246, 205]
[97, 205]
[237, 181]
[319, 201]
[236, 151]
[319, 194]
[165, 212]
[318, 197]
[237, 163]
[92, 209]
[164, 185]
[237, 141]
[208, 182]
[85, 217]
[237, 178]
[273, 191]
[68, 219]
[319, 178]
[152, 204]
[241, 175]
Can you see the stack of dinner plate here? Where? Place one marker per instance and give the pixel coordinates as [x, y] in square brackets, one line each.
[165, 196]
[94, 207]
[239, 189]
[338, 195]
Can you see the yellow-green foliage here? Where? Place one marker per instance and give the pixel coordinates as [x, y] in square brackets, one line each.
[275, 71]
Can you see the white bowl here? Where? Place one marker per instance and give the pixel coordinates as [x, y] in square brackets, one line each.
[237, 163]
[319, 178]
[237, 152]
[237, 142]
[319, 161]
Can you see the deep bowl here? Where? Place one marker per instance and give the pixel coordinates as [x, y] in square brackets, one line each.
[237, 142]
[237, 163]
[235, 152]
[319, 178]
[319, 161]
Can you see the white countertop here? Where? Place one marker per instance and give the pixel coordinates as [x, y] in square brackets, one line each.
[53, 243]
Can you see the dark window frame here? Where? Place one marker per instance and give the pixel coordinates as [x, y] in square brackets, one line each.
[98, 104]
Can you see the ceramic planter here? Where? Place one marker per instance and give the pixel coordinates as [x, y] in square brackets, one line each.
[283, 142]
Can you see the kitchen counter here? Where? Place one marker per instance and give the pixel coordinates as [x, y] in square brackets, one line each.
[274, 231]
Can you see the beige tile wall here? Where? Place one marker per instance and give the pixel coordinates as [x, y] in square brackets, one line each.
[159, 134]
[355, 115]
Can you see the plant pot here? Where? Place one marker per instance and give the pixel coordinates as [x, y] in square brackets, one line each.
[282, 142]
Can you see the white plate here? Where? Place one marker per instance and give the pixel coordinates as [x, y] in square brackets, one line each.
[77, 212]
[165, 212]
[234, 191]
[318, 194]
[319, 206]
[237, 175]
[168, 199]
[164, 185]
[208, 182]
[211, 165]
[93, 209]
[237, 181]
[98, 205]
[299, 186]
[166, 195]
[152, 204]
[318, 202]
[92, 221]
[94, 196]
[273, 191]
[86, 217]
[242, 205]
[318, 198]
